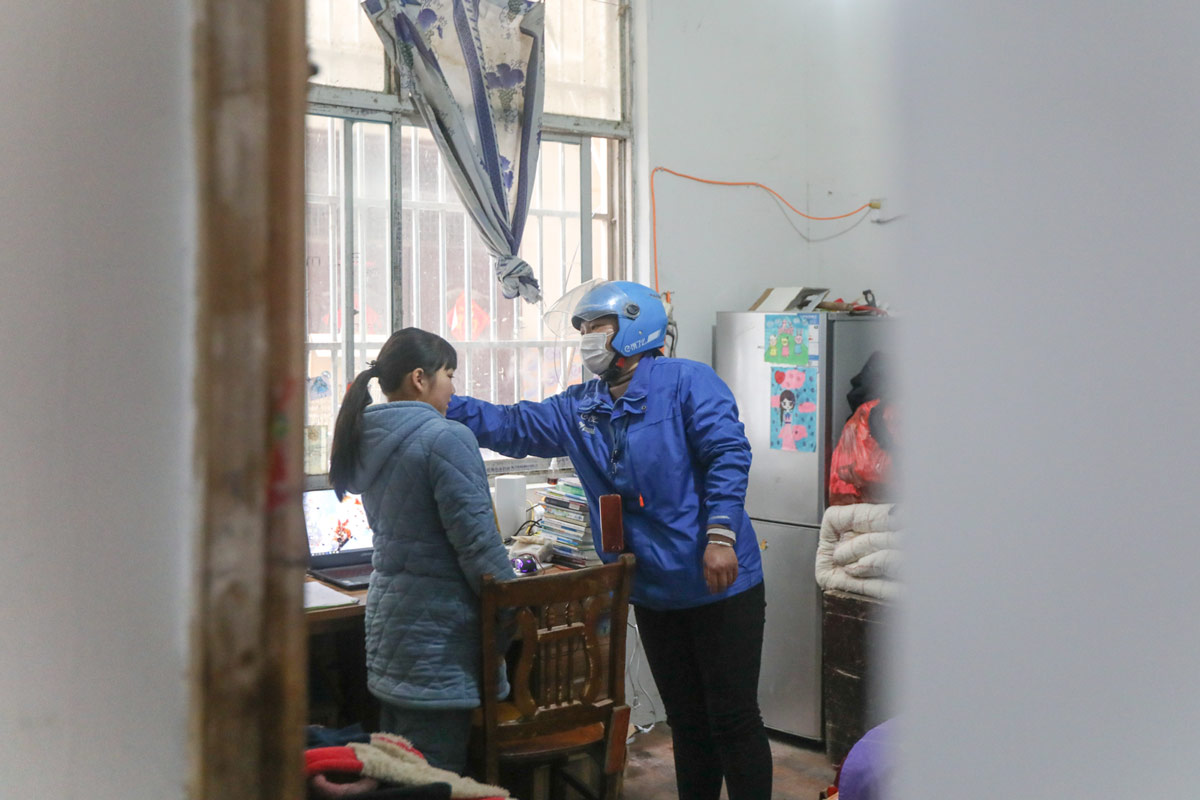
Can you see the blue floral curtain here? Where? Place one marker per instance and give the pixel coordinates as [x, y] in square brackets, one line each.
[474, 70]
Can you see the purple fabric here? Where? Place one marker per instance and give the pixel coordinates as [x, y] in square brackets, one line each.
[867, 770]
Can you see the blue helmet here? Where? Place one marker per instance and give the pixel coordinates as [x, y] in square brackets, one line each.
[641, 317]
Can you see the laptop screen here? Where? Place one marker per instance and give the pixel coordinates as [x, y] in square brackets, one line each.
[337, 530]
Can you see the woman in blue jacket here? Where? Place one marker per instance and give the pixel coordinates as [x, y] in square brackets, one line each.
[426, 495]
[664, 434]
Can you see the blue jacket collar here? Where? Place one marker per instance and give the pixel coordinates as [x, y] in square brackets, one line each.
[639, 384]
[595, 397]
[598, 396]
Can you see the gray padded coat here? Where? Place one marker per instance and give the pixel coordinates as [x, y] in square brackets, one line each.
[426, 496]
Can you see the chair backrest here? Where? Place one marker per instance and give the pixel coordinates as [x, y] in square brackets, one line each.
[569, 665]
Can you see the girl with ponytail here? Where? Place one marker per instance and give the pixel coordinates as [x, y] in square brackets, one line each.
[412, 365]
[426, 495]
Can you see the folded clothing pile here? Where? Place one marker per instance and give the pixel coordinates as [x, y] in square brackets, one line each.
[386, 766]
[858, 550]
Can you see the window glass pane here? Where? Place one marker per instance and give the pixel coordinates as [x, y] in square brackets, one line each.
[552, 259]
[326, 384]
[320, 234]
[507, 317]
[604, 224]
[466, 363]
[480, 384]
[505, 352]
[372, 178]
[483, 284]
[574, 367]
[506, 371]
[407, 267]
[571, 254]
[552, 373]
[583, 58]
[344, 47]
[583, 53]
[448, 283]
[377, 273]
[407, 137]
[570, 177]
[324, 247]
[323, 226]
[323, 213]
[531, 373]
[600, 265]
[319, 411]
[428, 165]
[550, 175]
[561, 367]
[602, 151]
[428, 233]
[318, 141]
[460, 322]
[372, 218]
[330, 364]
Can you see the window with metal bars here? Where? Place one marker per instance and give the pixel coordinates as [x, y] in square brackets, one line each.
[389, 244]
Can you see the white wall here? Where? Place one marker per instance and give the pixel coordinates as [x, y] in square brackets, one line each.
[1050, 647]
[1045, 158]
[789, 93]
[96, 254]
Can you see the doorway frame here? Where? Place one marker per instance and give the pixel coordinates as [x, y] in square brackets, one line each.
[248, 638]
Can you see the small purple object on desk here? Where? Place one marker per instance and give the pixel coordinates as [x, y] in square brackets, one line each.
[526, 564]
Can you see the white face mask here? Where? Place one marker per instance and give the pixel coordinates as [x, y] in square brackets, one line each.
[596, 353]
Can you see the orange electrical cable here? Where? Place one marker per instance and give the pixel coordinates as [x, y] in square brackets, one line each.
[654, 210]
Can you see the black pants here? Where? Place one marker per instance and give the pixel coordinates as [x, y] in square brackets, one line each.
[705, 662]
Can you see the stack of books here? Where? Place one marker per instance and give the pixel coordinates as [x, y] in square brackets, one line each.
[565, 523]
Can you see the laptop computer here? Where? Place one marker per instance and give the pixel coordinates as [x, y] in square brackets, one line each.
[340, 541]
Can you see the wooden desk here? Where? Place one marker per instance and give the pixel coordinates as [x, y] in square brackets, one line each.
[326, 620]
[337, 662]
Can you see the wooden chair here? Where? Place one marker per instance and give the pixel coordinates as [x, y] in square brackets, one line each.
[567, 675]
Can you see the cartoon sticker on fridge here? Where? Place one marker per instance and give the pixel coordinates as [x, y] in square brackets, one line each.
[794, 409]
[790, 339]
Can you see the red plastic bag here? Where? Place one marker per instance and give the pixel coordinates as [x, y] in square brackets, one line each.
[860, 469]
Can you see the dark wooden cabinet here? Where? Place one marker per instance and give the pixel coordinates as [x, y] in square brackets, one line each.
[854, 629]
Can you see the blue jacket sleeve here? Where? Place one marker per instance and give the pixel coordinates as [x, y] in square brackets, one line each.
[464, 505]
[538, 429]
[718, 442]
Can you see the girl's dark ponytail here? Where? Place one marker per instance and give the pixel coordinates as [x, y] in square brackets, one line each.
[347, 432]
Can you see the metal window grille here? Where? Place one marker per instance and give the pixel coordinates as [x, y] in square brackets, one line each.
[388, 242]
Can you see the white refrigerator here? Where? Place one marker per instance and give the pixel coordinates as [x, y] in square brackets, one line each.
[790, 373]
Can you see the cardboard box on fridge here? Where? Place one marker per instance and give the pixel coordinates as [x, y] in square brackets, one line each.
[789, 298]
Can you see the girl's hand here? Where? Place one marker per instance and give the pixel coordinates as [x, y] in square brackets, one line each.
[720, 567]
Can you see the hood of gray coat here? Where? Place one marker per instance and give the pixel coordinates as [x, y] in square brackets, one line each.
[388, 428]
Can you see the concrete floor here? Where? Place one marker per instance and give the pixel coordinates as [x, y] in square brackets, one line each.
[801, 772]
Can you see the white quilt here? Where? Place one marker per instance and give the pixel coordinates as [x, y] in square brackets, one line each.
[859, 550]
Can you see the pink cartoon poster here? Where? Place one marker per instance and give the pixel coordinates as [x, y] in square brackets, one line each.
[794, 409]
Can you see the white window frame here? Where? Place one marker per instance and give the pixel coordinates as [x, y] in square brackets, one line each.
[360, 105]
